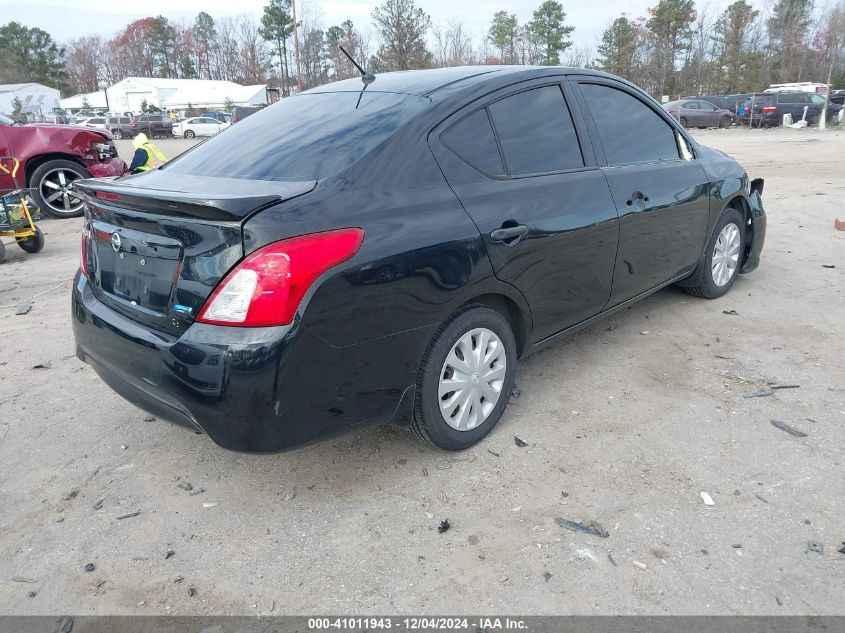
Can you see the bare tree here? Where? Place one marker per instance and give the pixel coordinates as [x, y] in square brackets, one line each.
[84, 68]
[453, 46]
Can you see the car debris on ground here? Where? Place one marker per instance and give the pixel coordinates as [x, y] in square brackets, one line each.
[783, 426]
[593, 527]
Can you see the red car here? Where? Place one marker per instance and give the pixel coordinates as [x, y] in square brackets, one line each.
[52, 157]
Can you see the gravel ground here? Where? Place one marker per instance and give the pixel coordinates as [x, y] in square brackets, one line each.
[626, 423]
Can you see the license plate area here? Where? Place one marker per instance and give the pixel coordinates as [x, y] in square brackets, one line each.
[137, 268]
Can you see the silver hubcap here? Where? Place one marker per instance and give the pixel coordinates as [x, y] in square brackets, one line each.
[56, 191]
[471, 379]
[726, 254]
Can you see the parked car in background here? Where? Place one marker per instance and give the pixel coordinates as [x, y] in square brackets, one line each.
[769, 108]
[349, 256]
[242, 112]
[97, 122]
[223, 117]
[153, 125]
[53, 157]
[119, 126]
[837, 97]
[198, 126]
[719, 102]
[698, 113]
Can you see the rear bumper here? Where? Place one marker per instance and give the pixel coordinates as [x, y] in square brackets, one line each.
[758, 228]
[249, 389]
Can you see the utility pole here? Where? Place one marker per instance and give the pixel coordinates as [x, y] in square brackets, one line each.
[296, 47]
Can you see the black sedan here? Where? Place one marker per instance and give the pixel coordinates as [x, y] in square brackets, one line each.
[387, 252]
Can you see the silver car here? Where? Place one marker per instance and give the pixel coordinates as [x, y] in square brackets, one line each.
[697, 113]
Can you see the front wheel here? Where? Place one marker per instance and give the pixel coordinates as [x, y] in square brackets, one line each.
[52, 190]
[33, 243]
[723, 257]
[189, 134]
[683, 122]
[465, 379]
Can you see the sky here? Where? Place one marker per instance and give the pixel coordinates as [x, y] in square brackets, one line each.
[65, 20]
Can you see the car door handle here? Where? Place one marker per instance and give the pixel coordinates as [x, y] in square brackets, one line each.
[510, 234]
[637, 195]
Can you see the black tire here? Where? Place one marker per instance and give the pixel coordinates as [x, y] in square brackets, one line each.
[707, 286]
[44, 172]
[2, 252]
[429, 424]
[683, 122]
[117, 134]
[189, 134]
[725, 122]
[33, 243]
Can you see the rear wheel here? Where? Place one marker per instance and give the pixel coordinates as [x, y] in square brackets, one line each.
[51, 184]
[465, 379]
[725, 122]
[33, 243]
[2, 252]
[723, 257]
[683, 122]
[117, 134]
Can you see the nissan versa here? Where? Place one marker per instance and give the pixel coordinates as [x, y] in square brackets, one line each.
[386, 251]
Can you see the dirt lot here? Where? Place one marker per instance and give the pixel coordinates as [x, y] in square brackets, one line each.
[626, 424]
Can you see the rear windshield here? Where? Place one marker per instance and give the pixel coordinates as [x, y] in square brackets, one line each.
[762, 100]
[306, 137]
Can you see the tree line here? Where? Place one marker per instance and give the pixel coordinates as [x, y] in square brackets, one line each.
[673, 49]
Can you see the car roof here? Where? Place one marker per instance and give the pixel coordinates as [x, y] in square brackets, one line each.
[425, 82]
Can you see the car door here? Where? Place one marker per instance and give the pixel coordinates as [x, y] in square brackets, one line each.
[660, 190]
[709, 114]
[539, 200]
[689, 112]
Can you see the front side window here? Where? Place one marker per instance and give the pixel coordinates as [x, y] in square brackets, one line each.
[536, 132]
[630, 131]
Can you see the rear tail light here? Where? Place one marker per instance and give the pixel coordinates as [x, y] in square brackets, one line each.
[267, 286]
[769, 109]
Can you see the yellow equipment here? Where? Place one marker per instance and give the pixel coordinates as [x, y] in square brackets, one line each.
[15, 214]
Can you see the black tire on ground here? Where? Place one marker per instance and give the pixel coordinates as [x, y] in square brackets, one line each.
[2, 252]
[707, 287]
[117, 134]
[189, 134]
[682, 121]
[725, 122]
[429, 423]
[33, 243]
[44, 170]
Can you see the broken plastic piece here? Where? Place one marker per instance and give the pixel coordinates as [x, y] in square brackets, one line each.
[444, 526]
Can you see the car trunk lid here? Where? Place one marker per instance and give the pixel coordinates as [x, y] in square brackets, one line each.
[155, 247]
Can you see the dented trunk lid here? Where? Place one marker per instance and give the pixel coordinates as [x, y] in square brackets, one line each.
[156, 246]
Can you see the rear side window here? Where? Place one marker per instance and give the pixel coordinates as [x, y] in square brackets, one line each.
[536, 132]
[630, 131]
[472, 140]
[793, 97]
[305, 137]
[124, 121]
